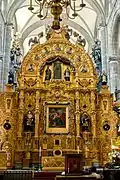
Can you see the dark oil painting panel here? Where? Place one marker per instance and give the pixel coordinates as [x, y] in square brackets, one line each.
[57, 117]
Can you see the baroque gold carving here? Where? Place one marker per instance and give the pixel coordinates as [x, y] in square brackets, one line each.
[81, 93]
[83, 82]
[30, 81]
[53, 162]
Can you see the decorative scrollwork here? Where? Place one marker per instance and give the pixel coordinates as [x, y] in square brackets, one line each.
[30, 81]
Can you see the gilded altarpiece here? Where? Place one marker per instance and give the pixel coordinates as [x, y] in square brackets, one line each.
[56, 109]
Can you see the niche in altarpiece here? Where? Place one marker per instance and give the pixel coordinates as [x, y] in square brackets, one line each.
[57, 68]
[29, 122]
[85, 123]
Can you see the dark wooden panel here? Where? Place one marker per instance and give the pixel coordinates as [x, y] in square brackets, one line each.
[74, 163]
[45, 175]
[111, 174]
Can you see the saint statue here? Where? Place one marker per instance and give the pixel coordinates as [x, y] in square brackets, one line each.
[57, 70]
[104, 78]
[85, 123]
[81, 41]
[30, 69]
[29, 122]
[47, 74]
[11, 78]
[67, 74]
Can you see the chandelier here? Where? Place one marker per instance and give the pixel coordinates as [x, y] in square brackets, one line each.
[56, 7]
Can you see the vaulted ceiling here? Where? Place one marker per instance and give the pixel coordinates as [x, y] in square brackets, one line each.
[28, 25]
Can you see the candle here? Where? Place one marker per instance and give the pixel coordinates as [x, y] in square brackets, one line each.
[39, 151]
[78, 150]
[68, 168]
[30, 3]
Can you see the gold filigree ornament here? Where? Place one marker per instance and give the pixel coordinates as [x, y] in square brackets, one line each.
[30, 82]
[83, 82]
[117, 143]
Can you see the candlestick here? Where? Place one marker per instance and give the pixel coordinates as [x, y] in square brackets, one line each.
[78, 150]
[68, 168]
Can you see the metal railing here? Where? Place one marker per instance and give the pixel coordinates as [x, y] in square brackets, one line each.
[16, 175]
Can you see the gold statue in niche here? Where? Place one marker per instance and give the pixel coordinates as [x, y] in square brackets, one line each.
[67, 74]
[48, 74]
[8, 103]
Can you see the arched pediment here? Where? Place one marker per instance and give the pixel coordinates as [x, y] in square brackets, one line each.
[58, 48]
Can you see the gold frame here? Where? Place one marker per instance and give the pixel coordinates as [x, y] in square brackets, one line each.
[56, 130]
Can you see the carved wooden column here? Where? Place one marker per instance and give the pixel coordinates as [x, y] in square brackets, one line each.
[77, 113]
[93, 113]
[77, 97]
[21, 111]
[37, 113]
[114, 73]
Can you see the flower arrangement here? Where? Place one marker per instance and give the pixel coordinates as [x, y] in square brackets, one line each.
[40, 167]
[114, 157]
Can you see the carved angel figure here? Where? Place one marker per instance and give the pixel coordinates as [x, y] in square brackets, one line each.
[81, 41]
[33, 41]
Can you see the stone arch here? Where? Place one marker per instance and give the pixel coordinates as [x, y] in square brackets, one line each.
[98, 8]
[112, 25]
[15, 5]
[115, 34]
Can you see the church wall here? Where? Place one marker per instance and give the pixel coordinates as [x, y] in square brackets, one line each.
[112, 52]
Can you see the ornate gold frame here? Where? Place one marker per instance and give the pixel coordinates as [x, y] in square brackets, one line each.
[56, 105]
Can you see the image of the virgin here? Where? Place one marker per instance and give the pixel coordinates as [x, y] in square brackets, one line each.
[57, 117]
[57, 70]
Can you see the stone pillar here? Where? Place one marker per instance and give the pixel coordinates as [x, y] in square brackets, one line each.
[103, 35]
[113, 70]
[37, 113]
[7, 39]
[1, 70]
[1, 52]
[21, 112]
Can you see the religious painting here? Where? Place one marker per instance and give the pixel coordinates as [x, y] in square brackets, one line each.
[56, 118]
[57, 70]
